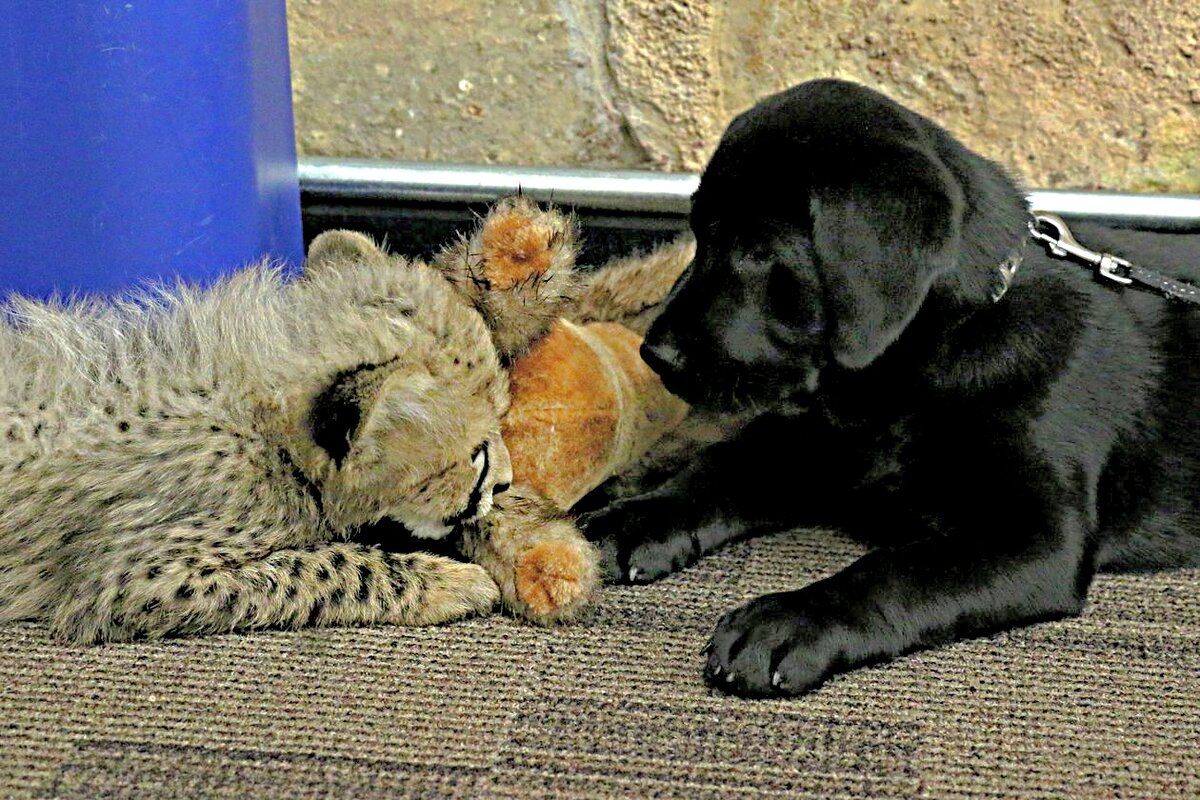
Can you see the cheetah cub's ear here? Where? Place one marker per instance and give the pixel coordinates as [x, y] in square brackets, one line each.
[341, 247]
[359, 438]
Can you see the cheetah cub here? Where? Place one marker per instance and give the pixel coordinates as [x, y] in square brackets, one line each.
[197, 460]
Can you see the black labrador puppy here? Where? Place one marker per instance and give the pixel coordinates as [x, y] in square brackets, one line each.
[998, 436]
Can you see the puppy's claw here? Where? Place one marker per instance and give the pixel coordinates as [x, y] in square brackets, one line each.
[633, 572]
[707, 648]
[777, 679]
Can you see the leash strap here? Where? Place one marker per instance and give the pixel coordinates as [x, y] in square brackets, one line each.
[1052, 231]
[1168, 286]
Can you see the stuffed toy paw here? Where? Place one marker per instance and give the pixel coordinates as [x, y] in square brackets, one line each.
[546, 570]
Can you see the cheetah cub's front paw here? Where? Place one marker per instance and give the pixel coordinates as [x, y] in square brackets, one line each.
[457, 590]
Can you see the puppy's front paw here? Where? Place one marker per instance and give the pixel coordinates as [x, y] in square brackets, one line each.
[771, 647]
[639, 540]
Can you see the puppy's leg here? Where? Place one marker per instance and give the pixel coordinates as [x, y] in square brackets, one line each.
[892, 601]
[758, 482]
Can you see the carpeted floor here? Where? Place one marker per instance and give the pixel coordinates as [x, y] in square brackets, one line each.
[1104, 706]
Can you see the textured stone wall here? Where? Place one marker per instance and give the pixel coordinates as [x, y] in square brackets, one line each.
[1100, 94]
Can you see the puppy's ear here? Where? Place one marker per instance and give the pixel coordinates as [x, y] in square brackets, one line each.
[881, 239]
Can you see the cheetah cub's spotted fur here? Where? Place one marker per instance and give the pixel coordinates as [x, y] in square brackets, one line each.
[196, 461]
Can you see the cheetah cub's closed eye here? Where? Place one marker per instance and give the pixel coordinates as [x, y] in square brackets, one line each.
[195, 460]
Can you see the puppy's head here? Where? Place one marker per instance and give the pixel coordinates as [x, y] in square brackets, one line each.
[822, 221]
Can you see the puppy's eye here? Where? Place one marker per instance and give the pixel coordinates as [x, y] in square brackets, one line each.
[792, 301]
[784, 292]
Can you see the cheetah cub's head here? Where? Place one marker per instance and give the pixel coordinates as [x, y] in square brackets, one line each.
[401, 420]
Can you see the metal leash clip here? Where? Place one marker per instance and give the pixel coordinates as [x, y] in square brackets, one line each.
[1063, 245]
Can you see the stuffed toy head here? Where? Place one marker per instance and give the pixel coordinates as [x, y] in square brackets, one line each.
[583, 404]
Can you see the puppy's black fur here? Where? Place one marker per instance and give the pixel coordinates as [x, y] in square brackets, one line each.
[996, 453]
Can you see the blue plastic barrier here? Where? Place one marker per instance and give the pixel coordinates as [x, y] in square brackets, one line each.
[143, 140]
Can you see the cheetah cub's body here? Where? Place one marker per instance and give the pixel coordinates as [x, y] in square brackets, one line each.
[195, 460]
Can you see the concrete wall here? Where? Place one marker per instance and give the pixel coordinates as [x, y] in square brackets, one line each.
[1100, 94]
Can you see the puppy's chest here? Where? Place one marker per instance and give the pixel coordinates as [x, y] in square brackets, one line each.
[900, 473]
[882, 462]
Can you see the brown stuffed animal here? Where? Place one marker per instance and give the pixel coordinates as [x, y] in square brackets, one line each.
[583, 405]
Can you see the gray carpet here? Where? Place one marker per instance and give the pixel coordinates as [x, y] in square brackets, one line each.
[1104, 706]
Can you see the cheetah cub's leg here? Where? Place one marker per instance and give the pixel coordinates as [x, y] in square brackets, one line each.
[328, 584]
[545, 568]
[517, 268]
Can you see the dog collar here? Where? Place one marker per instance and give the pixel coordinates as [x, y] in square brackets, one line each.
[1007, 271]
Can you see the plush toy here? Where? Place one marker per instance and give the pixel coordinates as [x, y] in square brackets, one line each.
[583, 405]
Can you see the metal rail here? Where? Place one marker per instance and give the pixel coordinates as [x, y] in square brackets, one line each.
[644, 192]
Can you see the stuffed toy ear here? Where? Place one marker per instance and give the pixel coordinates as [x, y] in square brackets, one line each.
[880, 242]
[340, 247]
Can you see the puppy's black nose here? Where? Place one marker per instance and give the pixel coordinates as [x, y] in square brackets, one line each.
[663, 357]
